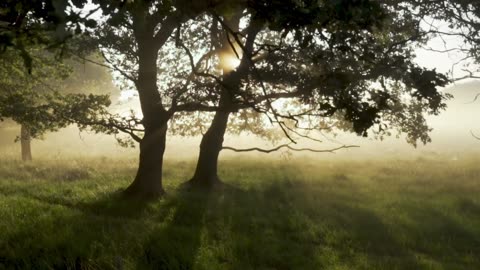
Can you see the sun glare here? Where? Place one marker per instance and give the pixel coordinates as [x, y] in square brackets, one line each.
[229, 62]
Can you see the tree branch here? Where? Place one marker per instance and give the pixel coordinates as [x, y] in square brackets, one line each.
[475, 136]
[168, 26]
[114, 67]
[333, 150]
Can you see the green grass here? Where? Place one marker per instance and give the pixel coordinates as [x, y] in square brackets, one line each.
[391, 214]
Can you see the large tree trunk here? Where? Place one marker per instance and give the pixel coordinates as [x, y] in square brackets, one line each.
[25, 143]
[206, 172]
[148, 181]
[212, 142]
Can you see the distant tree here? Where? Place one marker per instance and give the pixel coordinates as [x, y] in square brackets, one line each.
[42, 34]
[39, 101]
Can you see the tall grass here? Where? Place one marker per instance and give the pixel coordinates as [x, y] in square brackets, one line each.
[306, 214]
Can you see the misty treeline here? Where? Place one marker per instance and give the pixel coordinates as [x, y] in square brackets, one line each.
[237, 65]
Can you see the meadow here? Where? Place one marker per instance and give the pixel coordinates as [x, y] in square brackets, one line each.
[290, 214]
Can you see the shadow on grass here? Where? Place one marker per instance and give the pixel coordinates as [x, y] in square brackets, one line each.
[271, 228]
[76, 235]
[443, 238]
[469, 208]
[175, 245]
[113, 204]
[280, 225]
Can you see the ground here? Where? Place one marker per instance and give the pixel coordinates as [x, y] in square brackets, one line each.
[303, 214]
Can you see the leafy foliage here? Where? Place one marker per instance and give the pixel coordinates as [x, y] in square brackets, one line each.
[47, 23]
[348, 62]
[38, 101]
[344, 61]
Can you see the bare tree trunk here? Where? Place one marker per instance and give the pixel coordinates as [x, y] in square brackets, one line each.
[212, 142]
[25, 142]
[206, 172]
[148, 181]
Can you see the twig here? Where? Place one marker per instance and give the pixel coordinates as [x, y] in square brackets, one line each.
[475, 136]
[475, 99]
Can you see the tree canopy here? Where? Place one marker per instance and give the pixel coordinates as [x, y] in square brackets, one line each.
[45, 23]
[303, 65]
[40, 100]
[346, 60]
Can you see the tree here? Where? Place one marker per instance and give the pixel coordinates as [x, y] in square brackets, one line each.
[50, 23]
[33, 100]
[343, 59]
[338, 58]
[41, 32]
[16, 80]
[151, 24]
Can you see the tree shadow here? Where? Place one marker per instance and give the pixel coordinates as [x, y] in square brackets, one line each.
[114, 204]
[65, 234]
[469, 208]
[443, 238]
[279, 227]
[175, 245]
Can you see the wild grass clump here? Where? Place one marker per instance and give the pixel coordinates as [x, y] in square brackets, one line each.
[305, 214]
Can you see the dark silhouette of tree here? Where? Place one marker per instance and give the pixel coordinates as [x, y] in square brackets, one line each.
[343, 59]
[346, 60]
[46, 23]
[131, 40]
[351, 60]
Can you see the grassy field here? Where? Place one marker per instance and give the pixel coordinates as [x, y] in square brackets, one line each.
[391, 214]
